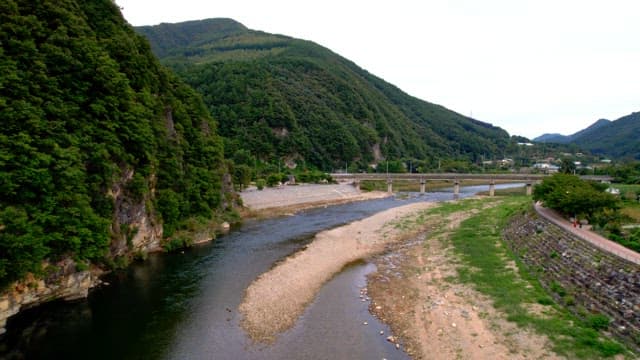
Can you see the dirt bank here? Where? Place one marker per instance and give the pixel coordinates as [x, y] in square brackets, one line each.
[275, 300]
[436, 318]
[289, 199]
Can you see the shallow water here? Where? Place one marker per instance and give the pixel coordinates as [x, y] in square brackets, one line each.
[184, 305]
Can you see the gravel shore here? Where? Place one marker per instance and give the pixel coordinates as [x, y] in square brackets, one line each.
[294, 197]
[275, 300]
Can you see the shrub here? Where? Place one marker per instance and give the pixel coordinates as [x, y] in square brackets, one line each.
[598, 322]
[273, 180]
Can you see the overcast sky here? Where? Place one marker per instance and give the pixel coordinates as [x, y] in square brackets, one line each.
[527, 66]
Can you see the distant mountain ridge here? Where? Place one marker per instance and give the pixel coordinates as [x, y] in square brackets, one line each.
[619, 138]
[564, 139]
[281, 97]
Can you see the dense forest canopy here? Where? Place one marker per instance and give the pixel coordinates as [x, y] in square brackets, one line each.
[88, 114]
[283, 98]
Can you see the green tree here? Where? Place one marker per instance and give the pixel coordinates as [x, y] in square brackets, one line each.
[571, 196]
[567, 167]
[242, 175]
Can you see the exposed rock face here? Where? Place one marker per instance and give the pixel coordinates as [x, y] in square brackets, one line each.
[135, 229]
[65, 283]
[580, 274]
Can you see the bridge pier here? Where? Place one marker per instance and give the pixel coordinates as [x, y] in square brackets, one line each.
[456, 189]
[389, 186]
[423, 186]
[529, 188]
[492, 188]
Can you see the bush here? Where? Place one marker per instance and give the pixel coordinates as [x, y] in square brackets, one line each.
[545, 301]
[597, 322]
[260, 183]
[273, 180]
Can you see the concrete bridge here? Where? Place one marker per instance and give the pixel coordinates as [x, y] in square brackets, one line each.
[456, 178]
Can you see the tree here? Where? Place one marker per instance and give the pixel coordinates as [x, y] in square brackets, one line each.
[242, 175]
[567, 167]
[571, 196]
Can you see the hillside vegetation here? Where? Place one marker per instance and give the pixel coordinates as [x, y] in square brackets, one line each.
[94, 134]
[289, 99]
[618, 139]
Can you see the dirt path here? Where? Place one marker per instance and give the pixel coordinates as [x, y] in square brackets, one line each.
[275, 300]
[435, 318]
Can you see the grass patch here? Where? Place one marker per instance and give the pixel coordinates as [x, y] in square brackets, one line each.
[514, 191]
[484, 265]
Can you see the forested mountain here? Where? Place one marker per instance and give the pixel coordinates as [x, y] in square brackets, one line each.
[617, 138]
[563, 139]
[552, 137]
[101, 148]
[284, 98]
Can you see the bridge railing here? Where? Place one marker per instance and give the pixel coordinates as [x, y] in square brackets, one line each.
[453, 176]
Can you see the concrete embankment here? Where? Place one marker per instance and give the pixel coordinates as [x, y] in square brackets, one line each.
[582, 276]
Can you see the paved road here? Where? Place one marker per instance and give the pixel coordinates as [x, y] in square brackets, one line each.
[589, 236]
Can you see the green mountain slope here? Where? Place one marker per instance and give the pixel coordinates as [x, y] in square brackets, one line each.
[564, 139]
[619, 138]
[286, 98]
[98, 143]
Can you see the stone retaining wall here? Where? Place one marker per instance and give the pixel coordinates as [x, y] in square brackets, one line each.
[578, 274]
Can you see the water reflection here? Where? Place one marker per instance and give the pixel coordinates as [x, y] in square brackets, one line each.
[181, 306]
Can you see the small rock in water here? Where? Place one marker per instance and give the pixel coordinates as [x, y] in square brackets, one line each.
[391, 339]
[381, 332]
[397, 346]
[365, 323]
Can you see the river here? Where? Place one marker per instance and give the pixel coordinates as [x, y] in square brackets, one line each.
[184, 305]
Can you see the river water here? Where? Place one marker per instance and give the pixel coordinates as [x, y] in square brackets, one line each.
[184, 305]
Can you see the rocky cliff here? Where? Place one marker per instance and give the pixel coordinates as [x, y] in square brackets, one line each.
[104, 154]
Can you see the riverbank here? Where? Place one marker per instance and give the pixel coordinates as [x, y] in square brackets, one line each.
[435, 317]
[293, 198]
[275, 300]
[459, 293]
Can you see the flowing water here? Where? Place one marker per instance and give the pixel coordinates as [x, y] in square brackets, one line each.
[184, 305]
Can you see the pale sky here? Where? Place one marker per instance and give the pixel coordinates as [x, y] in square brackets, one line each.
[529, 67]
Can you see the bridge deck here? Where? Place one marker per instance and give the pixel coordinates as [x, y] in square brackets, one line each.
[453, 176]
